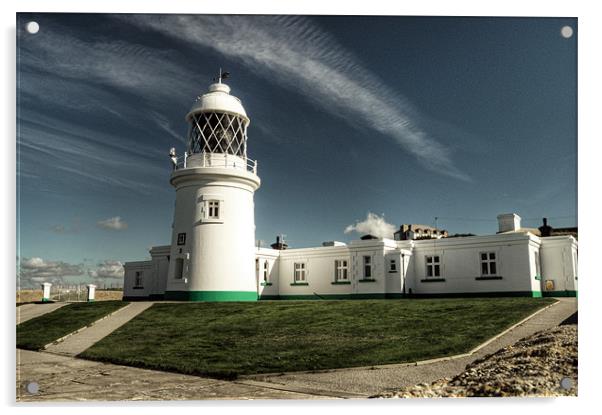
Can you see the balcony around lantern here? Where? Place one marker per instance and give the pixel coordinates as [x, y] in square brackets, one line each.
[212, 160]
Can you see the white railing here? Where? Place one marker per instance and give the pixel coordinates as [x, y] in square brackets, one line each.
[210, 160]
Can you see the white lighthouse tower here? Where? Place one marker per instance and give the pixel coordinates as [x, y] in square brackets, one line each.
[213, 237]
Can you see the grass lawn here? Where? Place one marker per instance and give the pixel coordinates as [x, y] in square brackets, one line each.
[38, 332]
[225, 340]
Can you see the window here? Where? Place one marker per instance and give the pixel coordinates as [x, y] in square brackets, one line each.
[182, 238]
[299, 272]
[266, 267]
[341, 270]
[537, 264]
[257, 268]
[392, 265]
[433, 266]
[213, 209]
[488, 264]
[179, 268]
[138, 279]
[367, 267]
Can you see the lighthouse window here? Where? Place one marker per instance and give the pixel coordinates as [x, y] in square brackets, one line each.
[299, 272]
[367, 267]
[433, 266]
[213, 209]
[392, 265]
[341, 270]
[266, 267]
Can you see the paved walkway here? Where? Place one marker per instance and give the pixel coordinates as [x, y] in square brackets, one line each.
[80, 341]
[28, 311]
[367, 381]
[63, 378]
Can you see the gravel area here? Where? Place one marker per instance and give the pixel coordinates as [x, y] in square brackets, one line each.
[534, 366]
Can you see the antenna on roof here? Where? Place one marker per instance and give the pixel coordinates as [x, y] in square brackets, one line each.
[221, 76]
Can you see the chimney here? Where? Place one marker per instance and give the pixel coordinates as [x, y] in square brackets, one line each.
[545, 230]
[508, 222]
[279, 245]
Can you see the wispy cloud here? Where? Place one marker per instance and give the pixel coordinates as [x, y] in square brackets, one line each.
[298, 54]
[113, 224]
[373, 225]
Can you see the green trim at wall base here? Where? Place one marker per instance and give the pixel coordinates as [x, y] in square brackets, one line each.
[535, 294]
[567, 293]
[211, 295]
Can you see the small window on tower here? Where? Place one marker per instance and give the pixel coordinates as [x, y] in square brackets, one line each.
[213, 209]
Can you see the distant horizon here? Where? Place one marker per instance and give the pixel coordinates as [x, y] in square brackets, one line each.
[406, 120]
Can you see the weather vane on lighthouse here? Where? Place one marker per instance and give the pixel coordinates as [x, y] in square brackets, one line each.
[222, 76]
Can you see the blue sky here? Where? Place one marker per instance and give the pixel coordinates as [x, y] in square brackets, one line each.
[409, 118]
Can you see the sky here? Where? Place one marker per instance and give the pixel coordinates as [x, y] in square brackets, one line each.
[359, 124]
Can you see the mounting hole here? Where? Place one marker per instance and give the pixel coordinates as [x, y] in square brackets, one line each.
[566, 32]
[32, 387]
[32, 27]
[566, 383]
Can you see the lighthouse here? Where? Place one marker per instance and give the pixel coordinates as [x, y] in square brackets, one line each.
[212, 255]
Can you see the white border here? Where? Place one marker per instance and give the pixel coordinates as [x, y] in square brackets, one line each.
[589, 35]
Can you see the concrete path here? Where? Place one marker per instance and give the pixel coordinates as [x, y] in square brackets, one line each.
[80, 341]
[63, 378]
[371, 381]
[28, 311]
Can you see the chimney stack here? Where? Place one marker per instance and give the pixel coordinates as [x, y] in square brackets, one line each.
[545, 230]
[508, 222]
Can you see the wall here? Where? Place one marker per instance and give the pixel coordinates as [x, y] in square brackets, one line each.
[267, 289]
[559, 265]
[130, 291]
[461, 265]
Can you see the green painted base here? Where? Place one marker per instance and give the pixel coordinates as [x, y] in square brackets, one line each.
[45, 300]
[211, 295]
[377, 296]
[567, 293]
[535, 294]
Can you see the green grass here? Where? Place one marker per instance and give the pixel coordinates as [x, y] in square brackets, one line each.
[34, 334]
[225, 340]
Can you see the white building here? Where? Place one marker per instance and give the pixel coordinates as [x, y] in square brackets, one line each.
[212, 256]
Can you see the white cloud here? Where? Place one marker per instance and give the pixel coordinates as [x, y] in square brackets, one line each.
[35, 270]
[298, 54]
[115, 223]
[373, 225]
[107, 269]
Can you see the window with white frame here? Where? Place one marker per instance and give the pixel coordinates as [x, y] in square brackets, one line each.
[367, 266]
[299, 272]
[266, 269]
[213, 209]
[488, 264]
[392, 265]
[341, 270]
[537, 264]
[433, 266]
[138, 280]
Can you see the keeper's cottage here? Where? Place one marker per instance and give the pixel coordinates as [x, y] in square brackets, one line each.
[213, 257]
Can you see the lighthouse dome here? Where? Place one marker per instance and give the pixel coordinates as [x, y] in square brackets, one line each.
[218, 99]
[218, 123]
